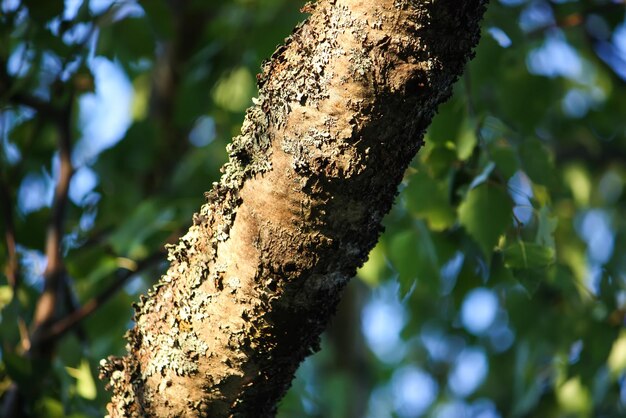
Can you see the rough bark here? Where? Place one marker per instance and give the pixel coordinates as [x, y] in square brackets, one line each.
[342, 110]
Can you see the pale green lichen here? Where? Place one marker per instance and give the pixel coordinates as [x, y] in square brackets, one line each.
[360, 64]
[177, 351]
[249, 152]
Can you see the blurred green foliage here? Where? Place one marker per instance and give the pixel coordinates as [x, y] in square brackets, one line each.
[498, 288]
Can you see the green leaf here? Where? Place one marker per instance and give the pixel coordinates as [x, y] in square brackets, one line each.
[546, 227]
[483, 176]
[526, 255]
[372, 271]
[486, 214]
[402, 252]
[148, 219]
[578, 178]
[159, 15]
[50, 408]
[466, 142]
[129, 40]
[617, 358]
[499, 272]
[528, 109]
[85, 384]
[6, 295]
[429, 200]
[447, 124]
[91, 265]
[526, 388]
[441, 159]
[19, 368]
[43, 11]
[233, 91]
[537, 162]
[531, 278]
[414, 256]
[506, 160]
[574, 398]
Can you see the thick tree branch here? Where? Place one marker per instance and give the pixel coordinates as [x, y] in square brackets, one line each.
[342, 110]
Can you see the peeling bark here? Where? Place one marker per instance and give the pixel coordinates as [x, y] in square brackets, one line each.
[342, 110]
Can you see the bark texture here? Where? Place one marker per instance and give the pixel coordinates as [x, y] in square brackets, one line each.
[342, 110]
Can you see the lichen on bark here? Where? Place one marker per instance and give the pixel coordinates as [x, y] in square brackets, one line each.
[341, 111]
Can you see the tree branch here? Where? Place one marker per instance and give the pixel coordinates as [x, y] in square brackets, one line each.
[351, 352]
[168, 74]
[43, 108]
[341, 112]
[63, 325]
[53, 274]
[12, 267]
[578, 18]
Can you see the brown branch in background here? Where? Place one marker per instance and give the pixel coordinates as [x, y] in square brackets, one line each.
[569, 21]
[43, 108]
[71, 304]
[53, 274]
[12, 267]
[45, 309]
[351, 353]
[167, 78]
[579, 18]
[63, 325]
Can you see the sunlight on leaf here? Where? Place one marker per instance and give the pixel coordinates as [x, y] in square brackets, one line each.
[546, 228]
[466, 142]
[371, 272]
[233, 92]
[577, 178]
[527, 255]
[429, 199]
[574, 397]
[6, 294]
[617, 358]
[141, 98]
[85, 384]
[50, 408]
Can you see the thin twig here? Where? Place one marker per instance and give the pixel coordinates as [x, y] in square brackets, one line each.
[63, 325]
[570, 21]
[42, 107]
[11, 269]
[578, 18]
[71, 304]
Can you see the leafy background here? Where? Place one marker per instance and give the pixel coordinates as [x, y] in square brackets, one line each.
[498, 288]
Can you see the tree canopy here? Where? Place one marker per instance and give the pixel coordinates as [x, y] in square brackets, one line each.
[498, 288]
